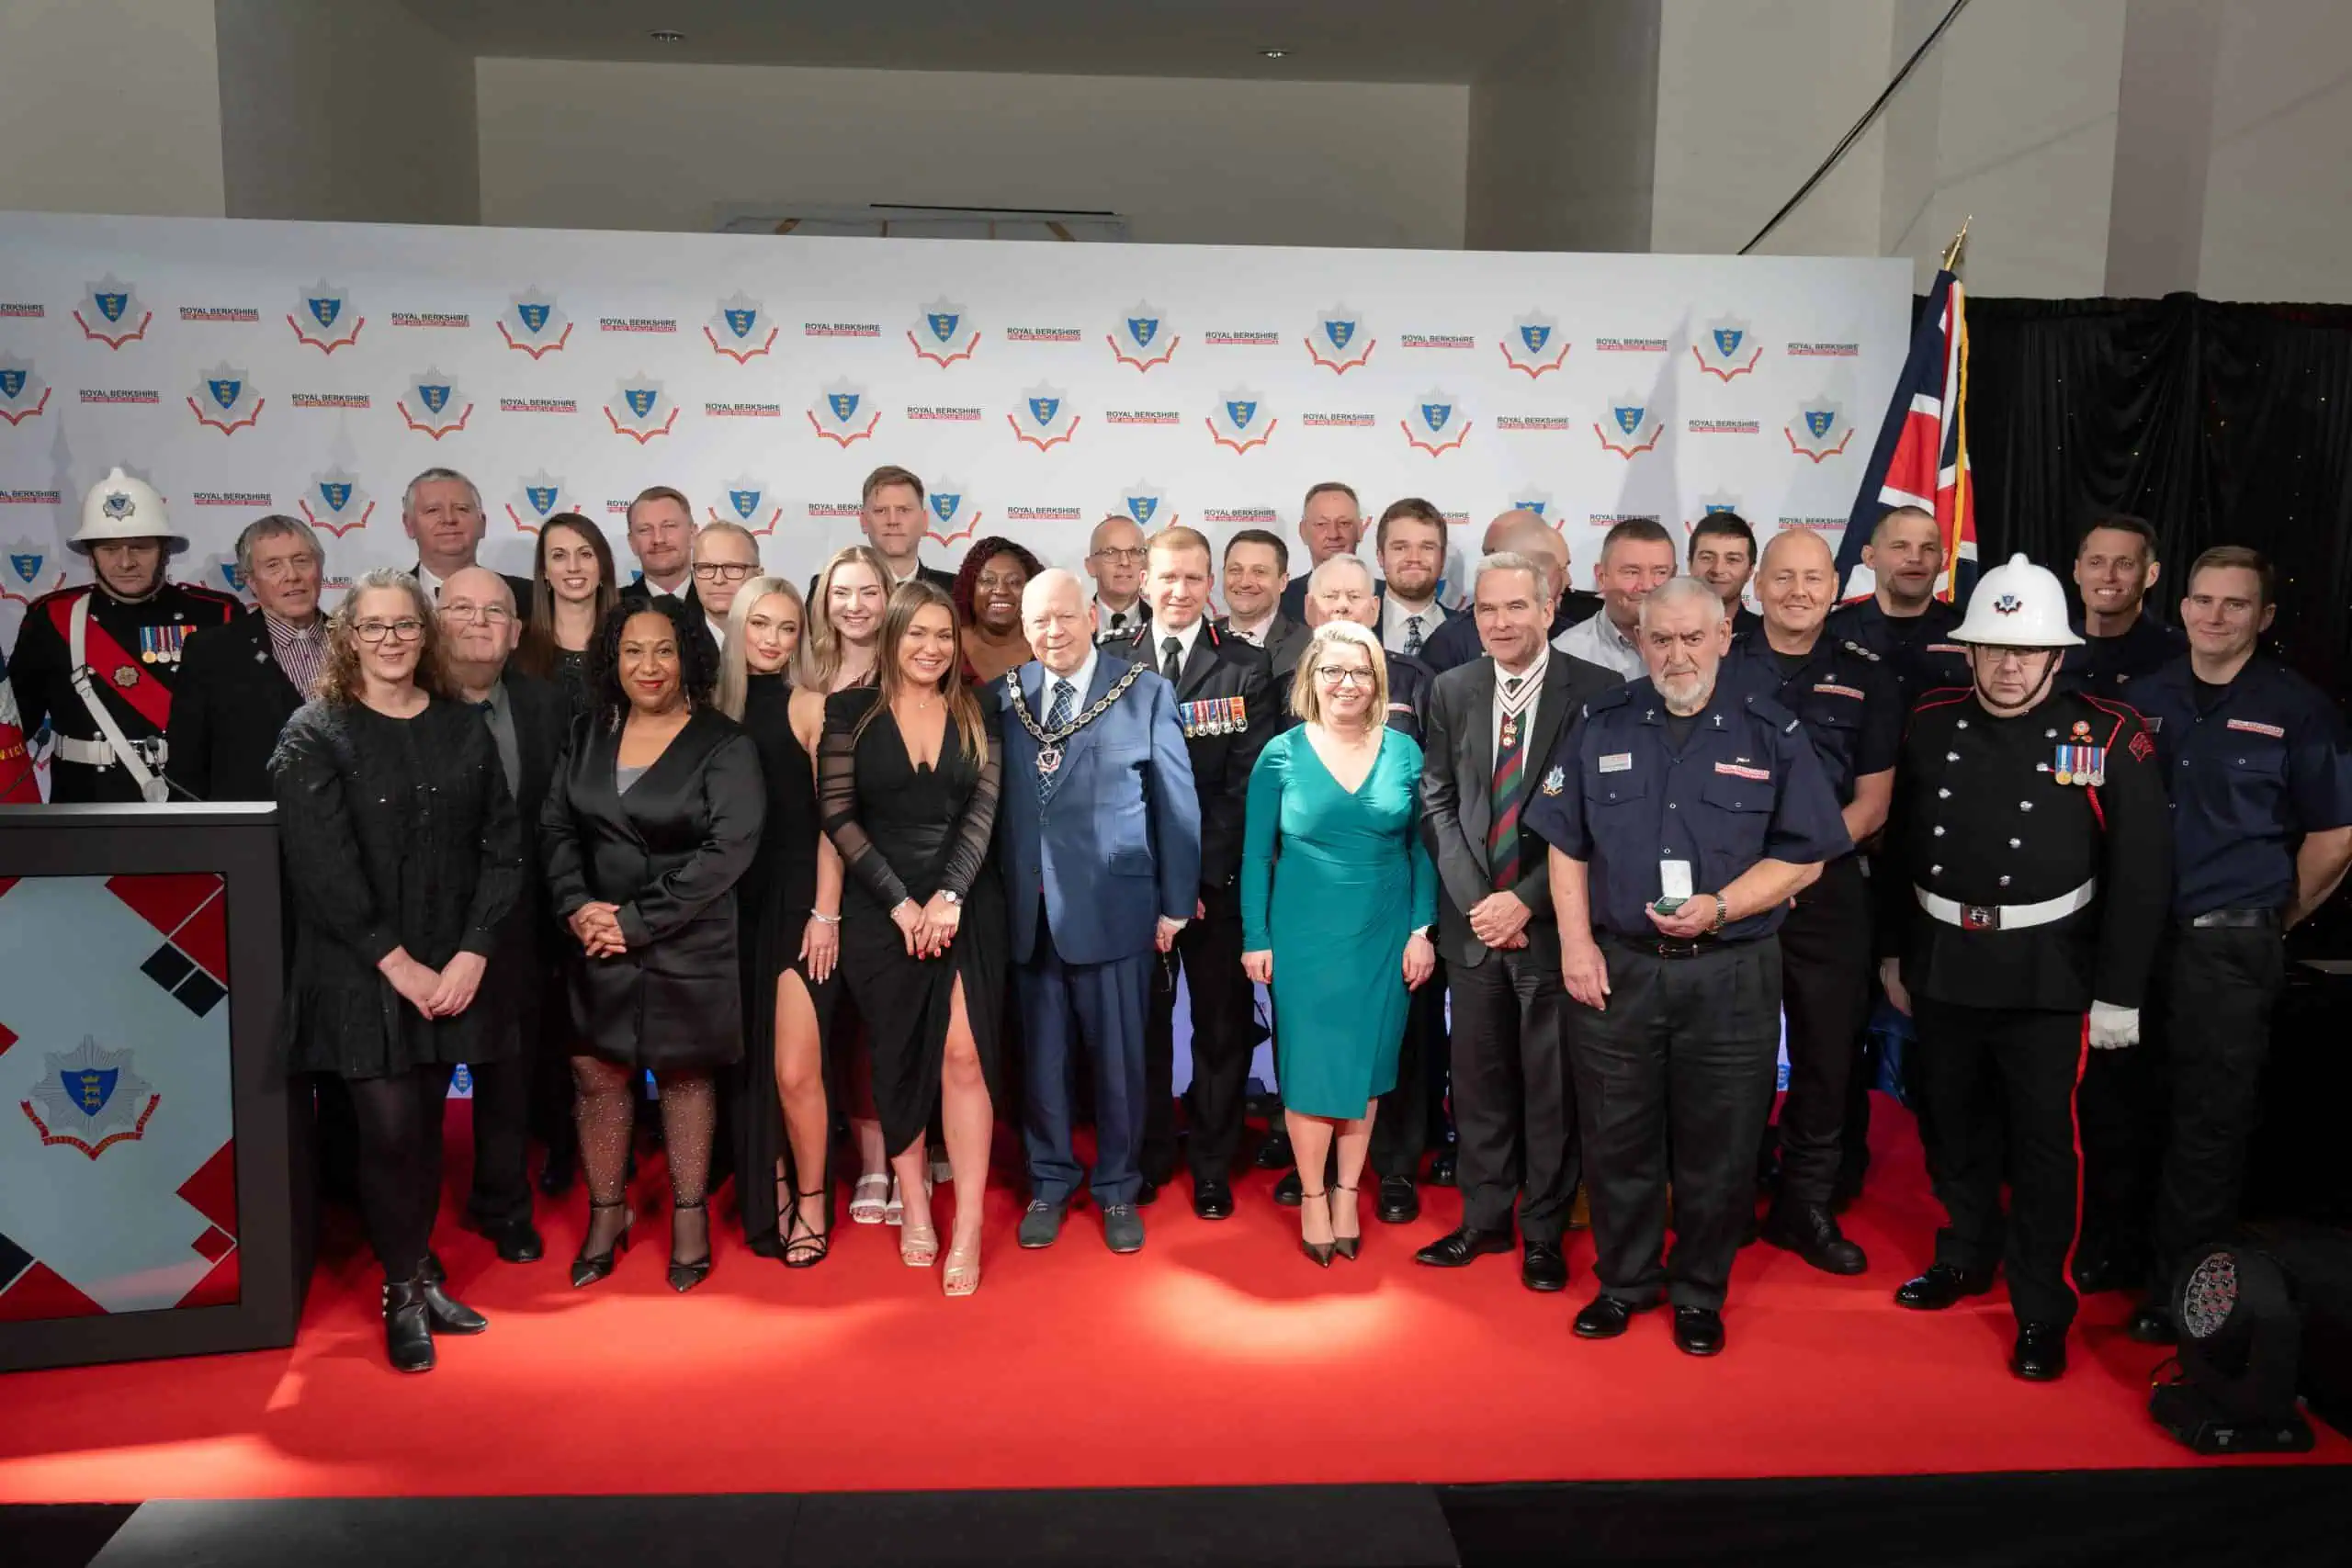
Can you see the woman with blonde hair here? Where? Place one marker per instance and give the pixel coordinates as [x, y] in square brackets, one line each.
[1338, 895]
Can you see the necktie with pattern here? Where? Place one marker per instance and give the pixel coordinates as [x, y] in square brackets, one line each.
[1502, 835]
[1065, 702]
[1412, 636]
[1172, 657]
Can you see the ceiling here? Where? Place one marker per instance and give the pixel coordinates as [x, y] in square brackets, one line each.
[1326, 40]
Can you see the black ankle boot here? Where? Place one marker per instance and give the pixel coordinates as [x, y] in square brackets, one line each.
[449, 1315]
[408, 1336]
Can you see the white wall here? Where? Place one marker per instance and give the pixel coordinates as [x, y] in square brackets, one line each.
[1561, 134]
[110, 105]
[596, 145]
[347, 109]
[2278, 196]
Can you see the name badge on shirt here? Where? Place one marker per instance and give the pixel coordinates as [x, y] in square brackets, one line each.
[1617, 762]
[2251, 727]
[1761, 776]
[1833, 689]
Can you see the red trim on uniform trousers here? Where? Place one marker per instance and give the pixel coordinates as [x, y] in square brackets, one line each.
[2075, 1118]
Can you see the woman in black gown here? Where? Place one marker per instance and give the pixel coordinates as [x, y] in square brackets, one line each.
[573, 589]
[648, 826]
[791, 902]
[404, 857]
[907, 778]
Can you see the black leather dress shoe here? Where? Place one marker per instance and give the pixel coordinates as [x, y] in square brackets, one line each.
[1541, 1268]
[1212, 1199]
[1441, 1169]
[1605, 1317]
[446, 1314]
[1274, 1152]
[1698, 1331]
[1287, 1189]
[515, 1240]
[2151, 1325]
[1147, 1192]
[2096, 1276]
[1400, 1201]
[1459, 1249]
[1942, 1286]
[1811, 1232]
[2040, 1355]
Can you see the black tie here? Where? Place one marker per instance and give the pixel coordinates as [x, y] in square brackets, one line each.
[1172, 657]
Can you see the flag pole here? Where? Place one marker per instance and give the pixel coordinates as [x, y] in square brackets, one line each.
[1955, 252]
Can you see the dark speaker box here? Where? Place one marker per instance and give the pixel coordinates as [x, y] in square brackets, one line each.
[2318, 1261]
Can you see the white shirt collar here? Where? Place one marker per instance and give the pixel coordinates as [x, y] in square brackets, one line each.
[1254, 635]
[717, 632]
[431, 583]
[1083, 679]
[655, 590]
[1186, 638]
[1137, 614]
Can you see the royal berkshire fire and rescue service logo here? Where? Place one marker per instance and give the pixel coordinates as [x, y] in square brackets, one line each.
[1341, 340]
[334, 500]
[747, 506]
[1819, 430]
[1043, 417]
[953, 511]
[1142, 337]
[533, 322]
[1435, 423]
[110, 312]
[741, 329]
[1717, 502]
[640, 409]
[1241, 419]
[1531, 498]
[91, 1100]
[537, 498]
[1146, 503]
[1626, 428]
[24, 573]
[228, 574]
[433, 404]
[324, 318]
[23, 394]
[1534, 344]
[226, 400]
[843, 413]
[1727, 348]
[943, 332]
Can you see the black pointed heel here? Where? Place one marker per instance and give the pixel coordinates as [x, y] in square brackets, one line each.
[1319, 1251]
[1346, 1246]
[589, 1268]
[684, 1276]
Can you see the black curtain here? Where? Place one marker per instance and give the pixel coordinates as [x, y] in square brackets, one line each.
[2221, 424]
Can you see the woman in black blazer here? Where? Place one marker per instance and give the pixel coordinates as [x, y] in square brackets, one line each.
[651, 821]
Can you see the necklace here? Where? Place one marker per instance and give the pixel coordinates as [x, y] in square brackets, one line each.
[1049, 746]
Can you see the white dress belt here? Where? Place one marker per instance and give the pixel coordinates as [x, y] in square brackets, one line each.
[2006, 917]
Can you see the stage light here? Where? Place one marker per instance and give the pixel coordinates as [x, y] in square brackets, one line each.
[666, 34]
[1274, 53]
[2241, 1333]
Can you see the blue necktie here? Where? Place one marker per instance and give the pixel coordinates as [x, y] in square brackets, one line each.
[1065, 699]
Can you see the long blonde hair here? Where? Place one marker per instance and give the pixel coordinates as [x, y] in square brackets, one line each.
[734, 658]
[907, 601]
[820, 658]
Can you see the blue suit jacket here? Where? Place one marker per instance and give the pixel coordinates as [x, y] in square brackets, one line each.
[1118, 845]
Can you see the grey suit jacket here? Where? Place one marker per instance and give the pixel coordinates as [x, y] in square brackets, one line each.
[1457, 791]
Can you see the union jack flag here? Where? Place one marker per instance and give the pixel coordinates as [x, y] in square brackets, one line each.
[1921, 457]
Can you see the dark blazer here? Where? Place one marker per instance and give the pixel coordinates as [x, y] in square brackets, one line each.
[230, 703]
[1457, 791]
[1295, 598]
[521, 586]
[1220, 666]
[531, 939]
[669, 854]
[1117, 844]
[1408, 689]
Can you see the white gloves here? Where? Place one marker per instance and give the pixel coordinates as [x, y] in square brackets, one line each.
[2113, 1026]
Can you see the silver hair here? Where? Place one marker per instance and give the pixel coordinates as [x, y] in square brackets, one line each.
[434, 476]
[1314, 580]
[1674, 591]
[277, 526]
[1510, 561]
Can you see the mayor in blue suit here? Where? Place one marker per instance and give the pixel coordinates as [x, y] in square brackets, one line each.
[1098, 836]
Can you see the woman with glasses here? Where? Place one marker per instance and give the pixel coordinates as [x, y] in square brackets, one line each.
[571, 590]
[1336, 899]
[907, 783]
[791, 902]
[649, 825]
[988, 603]
[404, 856]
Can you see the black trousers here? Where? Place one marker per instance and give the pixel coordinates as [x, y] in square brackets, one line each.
[1825, 988]
[503, 1106]
[1514, 1112]
[2214, 993]
[1414, 1109]
[1207, 952]
[2004, 1079]
[398, 1120]
[1675, 1074]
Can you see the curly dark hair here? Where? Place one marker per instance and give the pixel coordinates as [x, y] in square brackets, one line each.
[967, 576]
[697, 660]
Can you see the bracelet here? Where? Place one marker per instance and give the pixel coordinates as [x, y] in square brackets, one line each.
[823, 918]
[1723, 913]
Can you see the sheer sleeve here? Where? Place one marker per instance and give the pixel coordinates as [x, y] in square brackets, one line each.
[319, 846]
[980, 815]
[1261, 827]
[837, 801]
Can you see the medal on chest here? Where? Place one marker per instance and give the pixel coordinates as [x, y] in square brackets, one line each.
[161, 644]
[1510, 731]
[2079, 762]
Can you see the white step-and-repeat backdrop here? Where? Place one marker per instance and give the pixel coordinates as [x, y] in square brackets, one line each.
[246, 367]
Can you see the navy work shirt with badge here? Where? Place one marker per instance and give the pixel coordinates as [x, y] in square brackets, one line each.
[1851, 709]
[1917, 650]
[2251, 766]
[2107, 666]
[1622, 794]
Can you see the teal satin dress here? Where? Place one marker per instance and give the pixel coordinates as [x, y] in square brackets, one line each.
[1333, 883]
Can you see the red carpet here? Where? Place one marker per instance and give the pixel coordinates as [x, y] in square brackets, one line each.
[1218, 1356]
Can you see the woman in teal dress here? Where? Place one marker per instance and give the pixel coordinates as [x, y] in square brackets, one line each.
[1337, 898]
